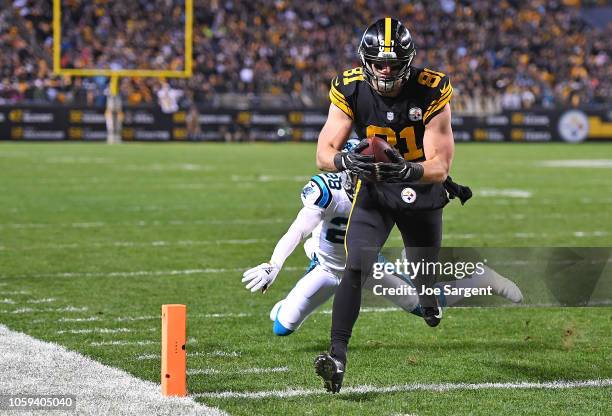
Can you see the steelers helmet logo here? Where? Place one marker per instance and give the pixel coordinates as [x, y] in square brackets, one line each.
[408, 195]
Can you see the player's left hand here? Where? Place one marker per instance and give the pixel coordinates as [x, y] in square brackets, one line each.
[398, 169]
[260, 277]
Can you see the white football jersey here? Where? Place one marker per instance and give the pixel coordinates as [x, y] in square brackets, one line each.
[325, 192]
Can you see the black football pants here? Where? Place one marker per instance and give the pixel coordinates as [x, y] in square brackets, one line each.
[368, 228]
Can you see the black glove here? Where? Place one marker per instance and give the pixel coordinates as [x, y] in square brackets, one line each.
[354, 162]
[455, 190]
[398, 169]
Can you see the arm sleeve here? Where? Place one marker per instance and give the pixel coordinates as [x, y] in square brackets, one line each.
[306, 221]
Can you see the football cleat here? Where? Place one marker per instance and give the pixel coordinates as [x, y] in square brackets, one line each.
[331, 370]
[432, 315]
[500, 285]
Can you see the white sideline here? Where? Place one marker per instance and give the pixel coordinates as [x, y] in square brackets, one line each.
[559, 384]
[36, 367]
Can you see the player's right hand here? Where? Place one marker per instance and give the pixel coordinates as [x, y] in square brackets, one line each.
[398, 169]
[355, 162]
[260, 277]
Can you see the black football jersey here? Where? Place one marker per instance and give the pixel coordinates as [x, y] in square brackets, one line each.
[399, 120]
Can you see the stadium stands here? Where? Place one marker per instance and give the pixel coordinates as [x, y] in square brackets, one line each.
[518, 54]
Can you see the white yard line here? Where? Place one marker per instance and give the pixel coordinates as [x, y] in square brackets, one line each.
[79, 160]
[36, 367]
[189, 316]
[576, 163]
[269, 178]
[159, 243]
[88, 319]
[507, 193]
[34, 310]
[217, 353]
[560, 384]
[255, 370]
[153, 317]
[223, 315]
[367, 310]
[522, 235]
[109, 343]
[137, 318]
[94, 330]
[190, 354]
[139, 273]
[45, 300]
[143, 223]
[190, 341]
[148, 357]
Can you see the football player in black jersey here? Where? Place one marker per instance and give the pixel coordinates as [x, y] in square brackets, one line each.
[409, 108]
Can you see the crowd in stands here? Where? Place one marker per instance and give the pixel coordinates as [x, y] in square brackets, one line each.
[508, 54]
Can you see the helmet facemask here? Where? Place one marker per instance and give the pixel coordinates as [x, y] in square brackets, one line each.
[390, 84]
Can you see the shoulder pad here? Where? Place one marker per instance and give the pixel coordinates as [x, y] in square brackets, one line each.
[343, 88]
[437, 91]
[316, 192]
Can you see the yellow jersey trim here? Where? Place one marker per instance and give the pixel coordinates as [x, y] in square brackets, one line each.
[357, 188]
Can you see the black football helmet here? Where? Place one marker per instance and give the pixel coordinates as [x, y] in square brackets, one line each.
[387, 41]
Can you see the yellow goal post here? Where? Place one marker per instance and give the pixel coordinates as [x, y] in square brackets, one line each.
[115, 74]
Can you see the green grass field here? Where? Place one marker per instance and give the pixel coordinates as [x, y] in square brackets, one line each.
[107, 234]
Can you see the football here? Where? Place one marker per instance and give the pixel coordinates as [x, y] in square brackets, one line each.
[376, 147]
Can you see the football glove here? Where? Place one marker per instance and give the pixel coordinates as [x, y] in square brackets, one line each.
[398, 169]
[354, 162]
[260, 277]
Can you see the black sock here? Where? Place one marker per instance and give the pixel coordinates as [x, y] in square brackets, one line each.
[347, 302]
[338, 351]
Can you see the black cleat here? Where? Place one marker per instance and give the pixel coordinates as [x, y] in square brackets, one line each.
[331, 370]
[432, 315]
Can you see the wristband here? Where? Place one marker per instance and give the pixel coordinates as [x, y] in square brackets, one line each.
[338, 162]
[415, 172]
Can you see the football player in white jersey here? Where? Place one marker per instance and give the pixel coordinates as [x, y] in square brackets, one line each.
[327, 200]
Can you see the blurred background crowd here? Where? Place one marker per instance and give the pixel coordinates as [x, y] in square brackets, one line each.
[508, 54]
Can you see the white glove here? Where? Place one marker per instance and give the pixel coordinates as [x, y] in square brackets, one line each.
[260, 277]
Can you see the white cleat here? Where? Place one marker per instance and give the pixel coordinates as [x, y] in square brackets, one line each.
[502, 286]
